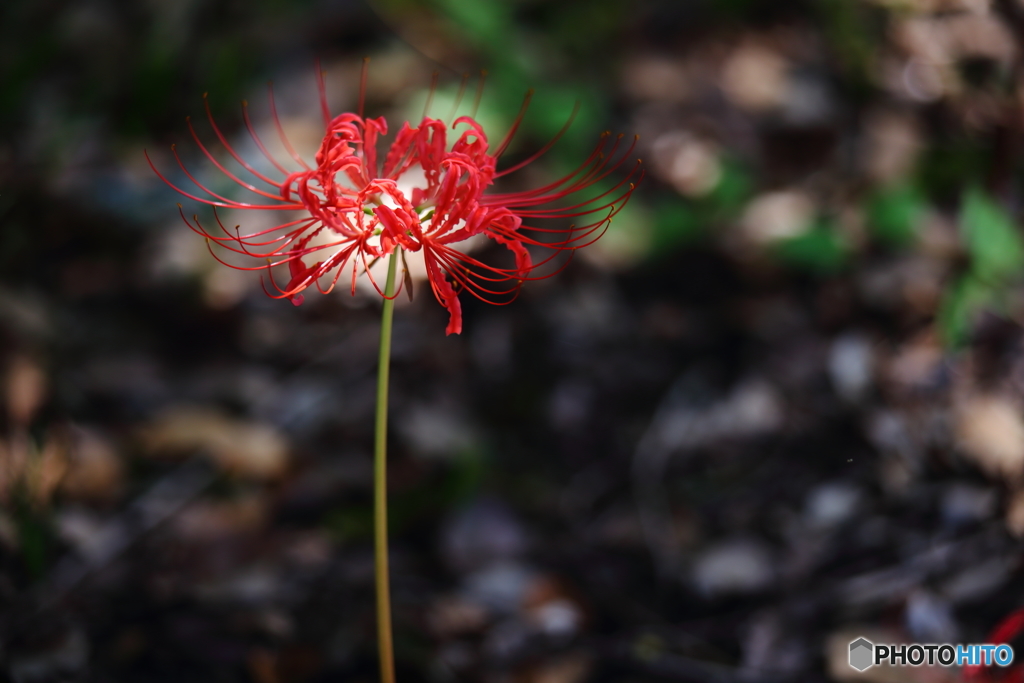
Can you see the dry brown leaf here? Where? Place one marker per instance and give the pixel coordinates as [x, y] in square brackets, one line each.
[46, 469]
[990, 431]
[1015, 514]
[25, 389]
[95, 471]
[570, 668]
[240, 447]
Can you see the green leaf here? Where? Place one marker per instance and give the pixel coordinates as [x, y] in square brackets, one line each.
[819, 249]
[991, 237]
[961, 303]
[893, 215]
[730, 195]
[35, 536]
[997, 258]
[485, 22]
[675, 222]
[943, 170]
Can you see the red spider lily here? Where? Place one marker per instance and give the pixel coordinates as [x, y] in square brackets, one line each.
[425, 195]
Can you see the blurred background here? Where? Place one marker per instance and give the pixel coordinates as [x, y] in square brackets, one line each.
[780, 405]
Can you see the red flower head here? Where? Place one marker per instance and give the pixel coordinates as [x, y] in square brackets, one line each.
[425, 195]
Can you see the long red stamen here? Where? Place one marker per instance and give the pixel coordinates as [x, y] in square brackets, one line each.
[479, 93]
[467, 285]
[325, 111]
[430, 95]
[362, 86]
[458, 98]
[231, 151]
[198, 184]
[504, 198]
[445, 255]
[229, 174]
[543, 150]
[256, 139]
[515, 124]
[222, 241]
[280, 129]
[227, 203]
[563, 212]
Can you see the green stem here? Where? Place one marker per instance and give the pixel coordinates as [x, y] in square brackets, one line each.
[380, 484]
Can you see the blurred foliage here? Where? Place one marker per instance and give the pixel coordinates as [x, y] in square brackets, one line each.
[894, 213]
[853, 28]
[501, 33]
[945, 169]
[993, 240]
[678, 222]
[36, 538]
[133, 68]
[996, 253]
[819, 250]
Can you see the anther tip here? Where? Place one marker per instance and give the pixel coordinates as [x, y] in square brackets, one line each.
[245, 103]
[179, 205]
[366, 60]
[205, 95]
[173, 146]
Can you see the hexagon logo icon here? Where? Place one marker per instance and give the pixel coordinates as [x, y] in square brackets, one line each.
[861, 651]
